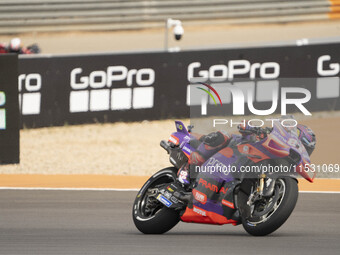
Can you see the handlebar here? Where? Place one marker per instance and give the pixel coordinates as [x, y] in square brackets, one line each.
[255, 130]
[164, 144]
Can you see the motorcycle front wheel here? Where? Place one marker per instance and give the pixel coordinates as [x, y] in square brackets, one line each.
[149, 215]
[270, 213]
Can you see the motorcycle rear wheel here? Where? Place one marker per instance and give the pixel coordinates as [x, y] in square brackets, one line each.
[283, 203]
[149, 215]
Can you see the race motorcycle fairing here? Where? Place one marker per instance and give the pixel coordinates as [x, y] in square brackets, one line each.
[211, 203]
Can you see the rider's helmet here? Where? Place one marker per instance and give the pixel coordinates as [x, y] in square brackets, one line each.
[307, 137]
[14, 45]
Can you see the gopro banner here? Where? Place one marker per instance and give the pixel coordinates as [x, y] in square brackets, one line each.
[146, 86]
[100, 88]
[9, 109]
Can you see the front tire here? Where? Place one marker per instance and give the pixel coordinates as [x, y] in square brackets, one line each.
[287, 190]
[149, 215]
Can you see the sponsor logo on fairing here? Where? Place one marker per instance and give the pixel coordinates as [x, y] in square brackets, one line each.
[223, 190]
[199, 211]
[186, 149]
[208, 185]
[199, 196]
[173, 139]
[227, 203]
[163, 200]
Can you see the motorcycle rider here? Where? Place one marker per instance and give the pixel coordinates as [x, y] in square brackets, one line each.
[307, 137]
[15, 46]
[216, 141]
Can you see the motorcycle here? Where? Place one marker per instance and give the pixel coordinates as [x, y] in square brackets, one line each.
[261, 200]
[31, 49]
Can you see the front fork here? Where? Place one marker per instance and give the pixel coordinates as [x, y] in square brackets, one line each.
[265, 188]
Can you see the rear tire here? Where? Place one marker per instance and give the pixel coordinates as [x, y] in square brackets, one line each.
[285, 207]
[162, 219]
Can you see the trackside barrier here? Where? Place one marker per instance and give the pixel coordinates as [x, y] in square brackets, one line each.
[59, 90]
[9, 109]
[26, 16]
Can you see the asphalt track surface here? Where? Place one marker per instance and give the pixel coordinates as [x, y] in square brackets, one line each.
[99, 222]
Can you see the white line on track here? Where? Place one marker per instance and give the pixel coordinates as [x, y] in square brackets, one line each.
[113, 189]
[67, 189]
[320, 192]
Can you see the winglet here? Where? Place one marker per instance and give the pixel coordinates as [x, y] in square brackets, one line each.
[181, 127]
